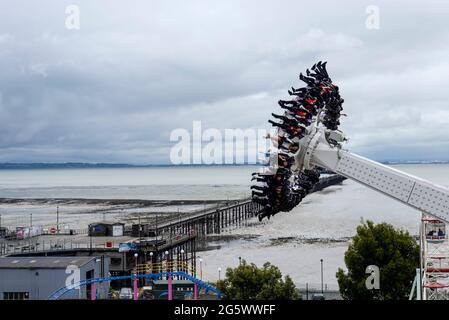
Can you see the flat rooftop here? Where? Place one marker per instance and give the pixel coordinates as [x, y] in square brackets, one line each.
[42, 262]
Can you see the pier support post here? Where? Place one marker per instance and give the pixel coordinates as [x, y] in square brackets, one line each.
[239, 212]
[225, 216]
[170, 287]
[195, 292]
[136, 289]
[217, 223]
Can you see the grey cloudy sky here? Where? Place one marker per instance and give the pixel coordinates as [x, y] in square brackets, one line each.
[113, 90]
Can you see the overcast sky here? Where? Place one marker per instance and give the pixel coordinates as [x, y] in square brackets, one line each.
[113, 90]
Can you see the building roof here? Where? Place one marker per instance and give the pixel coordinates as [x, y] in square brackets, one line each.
[42, 262]
[107, 223]
[174, 281]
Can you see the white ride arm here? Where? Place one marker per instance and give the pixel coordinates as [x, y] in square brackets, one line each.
[417, 193]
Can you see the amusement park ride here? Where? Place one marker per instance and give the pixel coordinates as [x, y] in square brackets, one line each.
[308, 140]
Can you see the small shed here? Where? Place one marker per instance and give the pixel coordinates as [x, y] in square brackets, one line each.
[142, 230]
[106, 229]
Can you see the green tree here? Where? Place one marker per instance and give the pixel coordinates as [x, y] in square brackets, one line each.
[248, 282]
[395, 252]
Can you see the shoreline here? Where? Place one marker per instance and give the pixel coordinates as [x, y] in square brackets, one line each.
[141, 202]
[77, 213]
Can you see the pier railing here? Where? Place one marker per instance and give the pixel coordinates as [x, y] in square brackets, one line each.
[37, 244]
[43, 245]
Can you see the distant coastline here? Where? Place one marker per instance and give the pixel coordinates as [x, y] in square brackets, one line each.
[416, 162]
[86, 165]
[82, 165]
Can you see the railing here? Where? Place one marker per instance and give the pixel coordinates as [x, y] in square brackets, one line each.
[308, 291]
[34, 245]
[66, 232]
[202, 214]
[165, 266]
[28, 246]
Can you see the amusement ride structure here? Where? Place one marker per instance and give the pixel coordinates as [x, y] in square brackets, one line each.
[308, 140]
[143, 273]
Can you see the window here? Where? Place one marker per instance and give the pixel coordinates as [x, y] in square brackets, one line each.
[16, 295]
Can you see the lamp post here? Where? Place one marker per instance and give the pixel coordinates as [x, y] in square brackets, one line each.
[140, 228]
[157, 231]
[182, 261]
[151, 259]
[322, 288]
[169, 278]
[90, 238]
[136, 255]
[219, 273]
[57, 219]
[135, 293]
[29, 231]
[166, 261]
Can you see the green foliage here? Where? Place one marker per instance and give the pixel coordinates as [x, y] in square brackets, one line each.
[248, 282]
[396, 254]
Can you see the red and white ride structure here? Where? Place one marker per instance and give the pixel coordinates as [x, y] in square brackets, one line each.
[323, 148]
[314, 142]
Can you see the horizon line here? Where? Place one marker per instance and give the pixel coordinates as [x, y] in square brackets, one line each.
[18, 165]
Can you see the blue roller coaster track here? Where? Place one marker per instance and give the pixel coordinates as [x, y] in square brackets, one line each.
[201, 284]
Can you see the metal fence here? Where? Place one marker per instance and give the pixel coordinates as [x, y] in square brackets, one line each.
[34, 245]
[311, 291]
